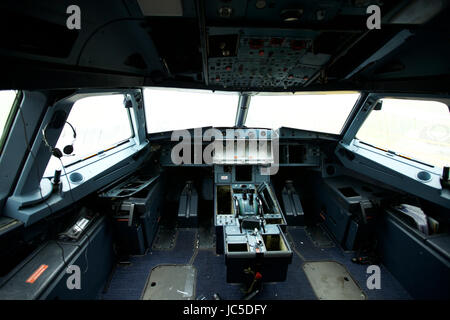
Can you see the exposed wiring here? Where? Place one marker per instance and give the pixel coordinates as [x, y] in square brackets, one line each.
[27, 142]
[85, 252]
[62, 253]
[34, 157]
[196, 245]
[73, 200]
[67, 178]
[294, 248]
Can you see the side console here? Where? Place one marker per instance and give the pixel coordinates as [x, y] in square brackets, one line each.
[349, 209]
[135, 207]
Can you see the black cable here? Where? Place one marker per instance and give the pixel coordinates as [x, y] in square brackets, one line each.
[34, 158]
[40, 190]
[27, 142]
[67, 178]
[73, 200]
[44, 136]
[62, 253]
[85, 252]
[38, 175]
[73, 129]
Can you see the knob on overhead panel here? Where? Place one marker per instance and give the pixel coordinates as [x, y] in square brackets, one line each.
[225, 12]
[291, 15]
[260, 4]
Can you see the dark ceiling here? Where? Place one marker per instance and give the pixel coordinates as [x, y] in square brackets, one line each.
[240, 45]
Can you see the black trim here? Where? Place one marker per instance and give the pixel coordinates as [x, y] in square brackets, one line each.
[394, 153]
[10, 120]
[100, 152]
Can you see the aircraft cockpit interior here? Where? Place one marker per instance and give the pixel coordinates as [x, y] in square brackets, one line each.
[224, 150]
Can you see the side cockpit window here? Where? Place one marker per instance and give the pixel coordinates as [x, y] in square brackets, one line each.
[99, 123]
[8, 108]
[415, 129]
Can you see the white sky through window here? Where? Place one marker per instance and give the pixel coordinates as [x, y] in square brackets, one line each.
[6, 102]
[321, 112]
[173, 109]
[417, 129]
[99, 121]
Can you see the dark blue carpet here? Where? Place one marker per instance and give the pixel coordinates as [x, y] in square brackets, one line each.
[212, 279]
[128, 282]
[390, 287]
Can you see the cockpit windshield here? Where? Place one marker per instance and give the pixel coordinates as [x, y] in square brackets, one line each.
[171, 109]
[312, 111]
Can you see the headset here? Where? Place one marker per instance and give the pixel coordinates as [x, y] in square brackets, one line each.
[57, 122]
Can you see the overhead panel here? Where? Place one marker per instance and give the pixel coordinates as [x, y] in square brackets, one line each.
[248, 58]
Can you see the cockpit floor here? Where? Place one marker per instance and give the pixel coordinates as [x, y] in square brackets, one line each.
[128, 281]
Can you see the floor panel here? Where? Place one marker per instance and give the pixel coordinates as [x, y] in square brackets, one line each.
[171, 282]
[128, 282]
[331, 281]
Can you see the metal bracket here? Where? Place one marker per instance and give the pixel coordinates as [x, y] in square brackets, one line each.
[131, 215]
